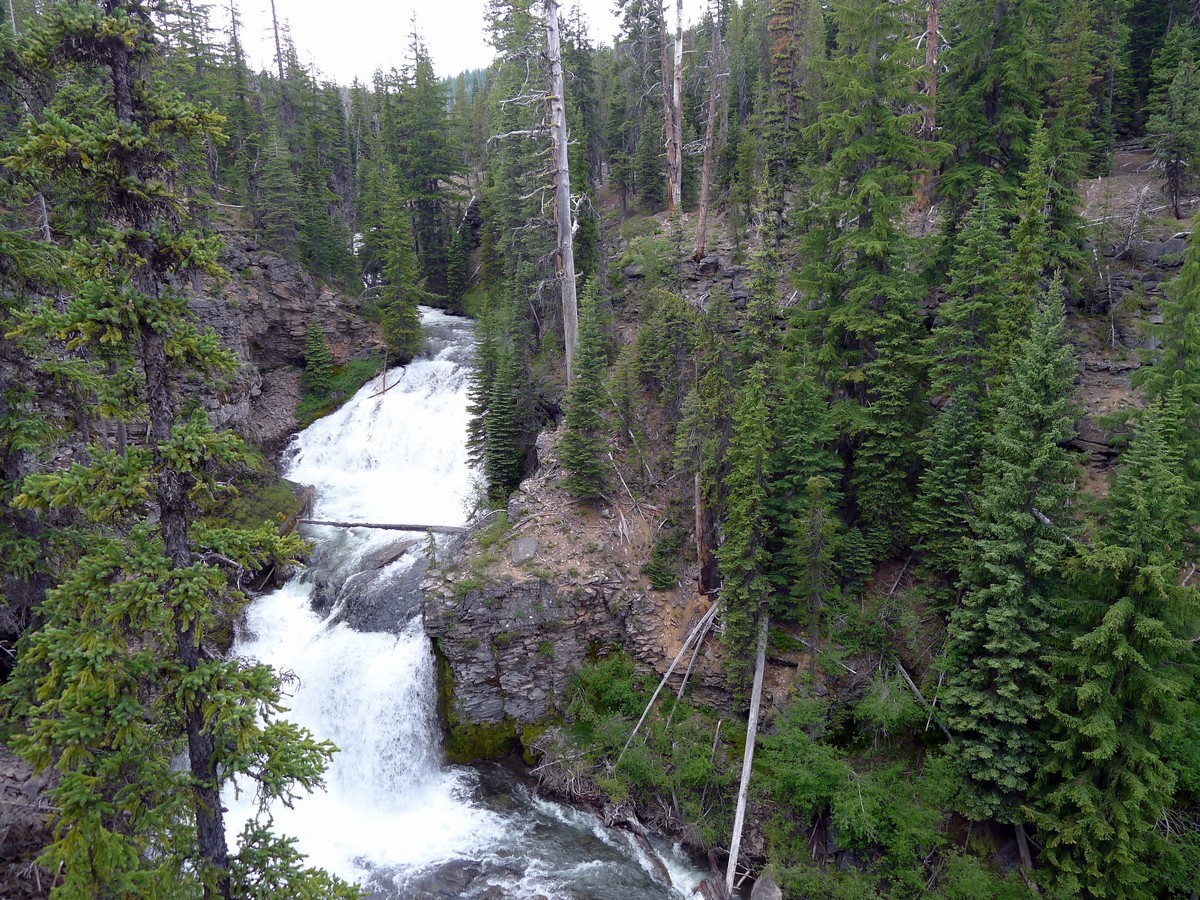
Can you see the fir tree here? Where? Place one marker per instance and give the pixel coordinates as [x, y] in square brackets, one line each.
[965, 337]
[585, 440]
[942, 515]
[1175, 361]
[996, 692]
[318, 364]
[1175, 132]
[1124, 679]
[119, 682]
[745, 556]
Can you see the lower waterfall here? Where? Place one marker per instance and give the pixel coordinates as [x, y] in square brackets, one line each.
[393, 817]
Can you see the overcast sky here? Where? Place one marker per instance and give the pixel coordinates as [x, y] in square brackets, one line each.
[349, 38]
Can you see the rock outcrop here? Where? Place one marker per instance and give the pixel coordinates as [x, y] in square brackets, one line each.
[261, 313]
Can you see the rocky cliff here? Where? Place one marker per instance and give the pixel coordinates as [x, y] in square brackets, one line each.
[261, 312]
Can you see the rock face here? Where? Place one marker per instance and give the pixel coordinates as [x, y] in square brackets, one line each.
[515, 620]
[261, 313]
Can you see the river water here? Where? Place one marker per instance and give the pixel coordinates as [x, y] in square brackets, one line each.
[394, 817]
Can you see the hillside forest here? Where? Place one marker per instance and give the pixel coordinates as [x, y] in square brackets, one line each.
[821, 282]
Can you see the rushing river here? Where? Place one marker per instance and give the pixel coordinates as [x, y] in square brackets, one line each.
[393, 816]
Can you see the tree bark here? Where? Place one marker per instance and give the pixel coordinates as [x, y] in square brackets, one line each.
[709, 139]
[929, 120]
[739, 818]
[668, 91]
[169, 483]
[562, 191]
[677, 111]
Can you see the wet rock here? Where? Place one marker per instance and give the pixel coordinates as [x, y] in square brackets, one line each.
[765, 888]
[524, 549]
[385, 555]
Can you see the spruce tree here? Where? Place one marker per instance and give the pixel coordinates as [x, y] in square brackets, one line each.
[120, 682]
[996, 692]
[999, 68]
[967, 359]
[745, 556]
[1175, 132]
[584, 443]
[318, 364]
[942, 515]
[1124, 680]
[1175, 361]
[861, 312]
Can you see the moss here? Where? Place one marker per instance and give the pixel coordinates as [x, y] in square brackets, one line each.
[467, 742]
[343, 385]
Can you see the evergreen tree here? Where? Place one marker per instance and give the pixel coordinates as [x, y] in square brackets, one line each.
[318, 364]
[862, 314]
[401, 292]
[1124, 679]
[942, 515]
[745, 556]
[118, 683]
[999, 68]
[1175, 361]
[584, 443]
[967, 358]
[1175, 132]
[997, 687]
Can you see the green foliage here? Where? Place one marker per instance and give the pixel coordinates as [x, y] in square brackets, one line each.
[998, 638]
[1124, 682]
[344, 383]
[318, 363]
[584, 444]
[119, 681]
[1175, 131]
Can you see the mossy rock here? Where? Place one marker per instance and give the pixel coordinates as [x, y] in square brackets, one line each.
[468, 742]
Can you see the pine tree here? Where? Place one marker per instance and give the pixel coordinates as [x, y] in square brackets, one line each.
[964, 342]
[1175, 132]
[318, 364]
[584, 443]
[118, 683]
[1123, 680]
[942, 515]
[402, 291]
[996, 691]
[861, 312]
[1175, 361]
[502, 458]
[999, 68]
[745, 556]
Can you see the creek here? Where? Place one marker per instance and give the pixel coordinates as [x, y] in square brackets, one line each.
[393, 816]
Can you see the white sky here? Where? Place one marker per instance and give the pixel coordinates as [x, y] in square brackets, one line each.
[349, 38]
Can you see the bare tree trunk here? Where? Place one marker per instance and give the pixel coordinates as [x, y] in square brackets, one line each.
[709, 140]
[739, 818]
[929, 120]
[668, 91]
[39, 197]
[278, 44]
[562, 191]
[677, 112]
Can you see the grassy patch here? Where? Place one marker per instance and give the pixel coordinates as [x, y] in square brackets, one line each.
[345, 383]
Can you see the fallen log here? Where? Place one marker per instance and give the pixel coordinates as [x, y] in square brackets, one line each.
[436, 529]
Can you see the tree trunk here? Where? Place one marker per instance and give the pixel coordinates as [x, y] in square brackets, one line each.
[668, 91]
[562, 191]
[39, 197]
[677, 111]
[709, 139]
[170, 488]
[739, 818]
[929, 120]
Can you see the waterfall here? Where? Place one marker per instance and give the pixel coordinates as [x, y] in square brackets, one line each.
[392, 814]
